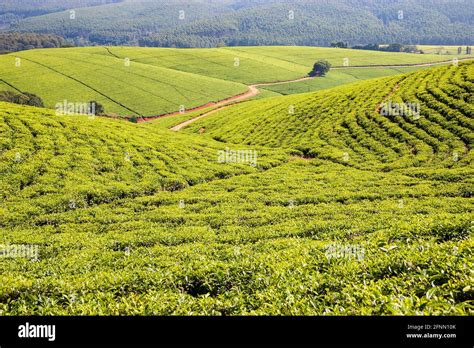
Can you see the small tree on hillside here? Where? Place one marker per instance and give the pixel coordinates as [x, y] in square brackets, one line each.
[320, 68]
[34, 100]
[21, 98]
[96, 108]
[339, 44]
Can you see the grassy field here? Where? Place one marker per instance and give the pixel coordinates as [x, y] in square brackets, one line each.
[76, 75]
[261, 64]
[306, 56]
[154, 81]
[342, 211]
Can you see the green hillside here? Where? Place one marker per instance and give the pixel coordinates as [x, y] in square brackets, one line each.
[154, 81]
[48, 160]
[263, 64]
[339, 210]
[347, 120]
[76, 76]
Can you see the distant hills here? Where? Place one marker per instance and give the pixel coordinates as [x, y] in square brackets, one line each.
[207, 23]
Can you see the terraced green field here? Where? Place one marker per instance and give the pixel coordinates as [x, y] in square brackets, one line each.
[343, 120]
[155, 81]
[346, 211]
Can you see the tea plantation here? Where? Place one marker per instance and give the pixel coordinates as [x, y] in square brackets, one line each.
[353, 206]
[154, 81]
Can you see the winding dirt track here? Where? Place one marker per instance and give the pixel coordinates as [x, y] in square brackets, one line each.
[253, 91]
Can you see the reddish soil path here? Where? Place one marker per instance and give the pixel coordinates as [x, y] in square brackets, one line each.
[235, 98]
[252, 92]
[192, 120]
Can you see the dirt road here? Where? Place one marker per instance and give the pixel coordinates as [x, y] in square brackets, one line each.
[252, 92]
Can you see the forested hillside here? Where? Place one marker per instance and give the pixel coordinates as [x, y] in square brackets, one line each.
[312, 23]
[11, 42]
[206, 23]
[13, 10]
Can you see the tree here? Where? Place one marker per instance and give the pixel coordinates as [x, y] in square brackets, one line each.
[410, 49]
[96, 108]
[21, 98]
[394, 48]
[10, 42]
[339, 44]
[320, 68]
[34, 100]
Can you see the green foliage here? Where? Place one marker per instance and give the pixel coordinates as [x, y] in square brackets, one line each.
[347, 120]
[256, 64]
[123, 87]
[348, 211]
[24, 98]
[151, 82]
[10, 42]
[336, 78]
[11, 11]
[320, 68]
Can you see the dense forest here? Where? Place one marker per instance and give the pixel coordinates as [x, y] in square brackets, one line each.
[12, 42]
[11, 11]
[207, 23]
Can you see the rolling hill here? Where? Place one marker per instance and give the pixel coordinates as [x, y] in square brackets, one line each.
[97, 160]
[155, 81]
[124, 89]
[339, 210]
[433, 121]
[265, 64]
